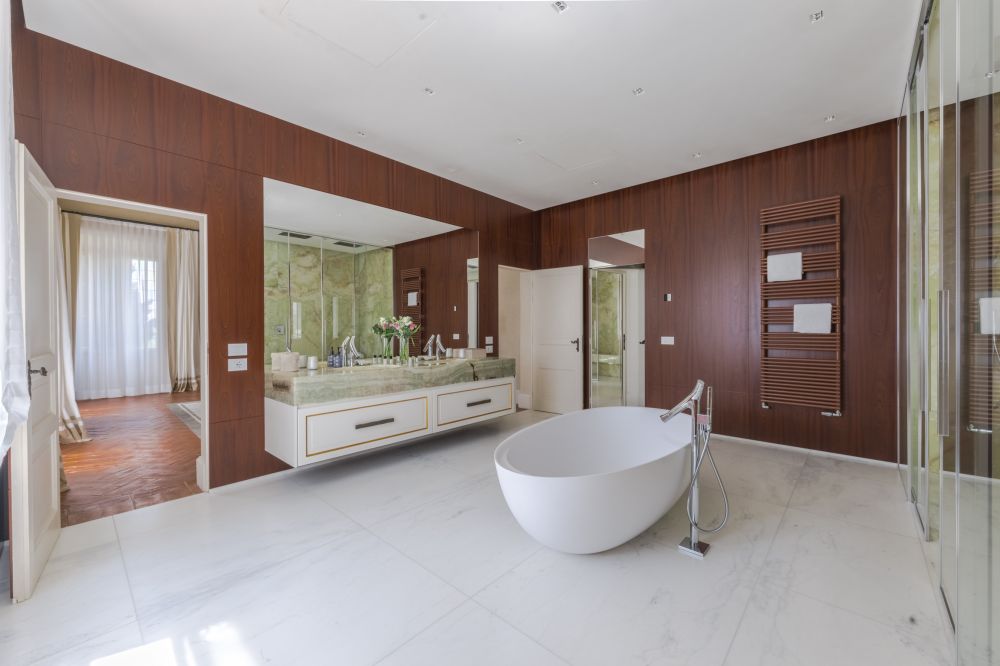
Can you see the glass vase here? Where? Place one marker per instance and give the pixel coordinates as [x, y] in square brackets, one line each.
[404, 350]
[386, 348]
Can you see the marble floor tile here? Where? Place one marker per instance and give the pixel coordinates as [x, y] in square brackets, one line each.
[468, 635]
[82, 595]
[873, 502]
[752, 476]
[782, 627]
[179, 551]
[119, 647]
[873, 573]
[372, 489]
[469, 538]
[643, 602]
[786, 454]
[352, 601]
[868, 470]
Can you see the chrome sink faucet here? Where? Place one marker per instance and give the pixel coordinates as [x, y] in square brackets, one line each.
[429, 348]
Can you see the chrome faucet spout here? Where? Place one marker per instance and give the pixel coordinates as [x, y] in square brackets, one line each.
[687, 403]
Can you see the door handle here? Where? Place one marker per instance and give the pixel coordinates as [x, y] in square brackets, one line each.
[576, 342]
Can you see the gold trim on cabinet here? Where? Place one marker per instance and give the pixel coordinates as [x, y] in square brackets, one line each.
[510, 402]
[427, 419]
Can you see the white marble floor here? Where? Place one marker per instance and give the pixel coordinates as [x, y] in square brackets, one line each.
[411, 557]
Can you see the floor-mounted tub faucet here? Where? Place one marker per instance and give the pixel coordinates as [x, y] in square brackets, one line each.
[701, 432]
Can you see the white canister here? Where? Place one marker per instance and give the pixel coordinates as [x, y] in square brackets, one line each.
[290, 361]
[313, 362]
[276, 361]
[302, 359]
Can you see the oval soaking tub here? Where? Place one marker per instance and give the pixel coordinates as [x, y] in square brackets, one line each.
[591, 480]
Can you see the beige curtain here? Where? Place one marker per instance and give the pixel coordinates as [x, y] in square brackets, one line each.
[183, 308]
[71, 426]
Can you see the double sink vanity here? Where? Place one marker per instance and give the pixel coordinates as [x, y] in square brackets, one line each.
[316, 415]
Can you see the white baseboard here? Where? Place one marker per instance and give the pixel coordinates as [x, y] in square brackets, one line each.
[813, 452]
[524, 400]
[200, 477]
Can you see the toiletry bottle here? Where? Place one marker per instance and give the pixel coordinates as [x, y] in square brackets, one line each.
[329, 359]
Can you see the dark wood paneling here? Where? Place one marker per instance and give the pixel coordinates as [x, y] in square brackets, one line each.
[103, 127]
[702, 242]
[443, 259]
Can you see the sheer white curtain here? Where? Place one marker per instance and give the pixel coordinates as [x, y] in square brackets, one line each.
[183, 308]
[13, 363]
[121, 310]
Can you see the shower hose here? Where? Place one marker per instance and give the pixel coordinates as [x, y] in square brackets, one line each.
[704, 433]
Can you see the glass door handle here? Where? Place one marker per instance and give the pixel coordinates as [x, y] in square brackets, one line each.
[944, 362]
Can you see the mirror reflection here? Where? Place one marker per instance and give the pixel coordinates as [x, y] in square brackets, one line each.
[617, 319]
[338, 273]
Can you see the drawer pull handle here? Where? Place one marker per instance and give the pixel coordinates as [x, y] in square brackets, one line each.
[372, 424]
[476, 403]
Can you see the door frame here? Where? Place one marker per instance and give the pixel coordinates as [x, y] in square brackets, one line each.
[201, 219]
[524, 390]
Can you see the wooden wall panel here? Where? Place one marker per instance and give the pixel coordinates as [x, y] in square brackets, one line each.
[702, 242]
[104, 127]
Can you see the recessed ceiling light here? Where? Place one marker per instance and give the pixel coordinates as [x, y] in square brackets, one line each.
[696, 155]
[452, 169]
[830, 118]
[518, 140]
[816, 17]
[595, 182]
[638, 91]
[560, 6]
[362, 133]
[990, 75]
[429, 91]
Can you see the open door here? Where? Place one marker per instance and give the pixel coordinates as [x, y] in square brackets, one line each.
[34, 456]
[557, 339]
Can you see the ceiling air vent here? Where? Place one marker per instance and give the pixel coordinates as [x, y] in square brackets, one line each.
[294, 234]
[347, 244]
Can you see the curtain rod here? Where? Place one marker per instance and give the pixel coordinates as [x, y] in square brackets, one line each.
[118, 219]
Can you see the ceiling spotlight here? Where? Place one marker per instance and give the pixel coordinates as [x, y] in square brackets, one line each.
[830, 118]
[990, 74]
[816, 17]
[560, 6]
[696, 155]
[638, 91]
[595, 182]
[362, 133]
[429, 91]
[518, 140]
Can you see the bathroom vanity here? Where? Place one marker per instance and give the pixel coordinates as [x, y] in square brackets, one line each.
[317, 415]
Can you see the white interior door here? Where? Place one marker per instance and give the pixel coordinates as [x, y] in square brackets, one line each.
[35, 516]
[557, 339]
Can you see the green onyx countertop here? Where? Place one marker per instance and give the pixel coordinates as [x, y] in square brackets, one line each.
[313, 387]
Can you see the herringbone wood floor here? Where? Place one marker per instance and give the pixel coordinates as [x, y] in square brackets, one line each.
[140, 454]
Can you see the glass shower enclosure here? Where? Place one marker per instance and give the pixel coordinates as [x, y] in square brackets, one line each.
[949, 168]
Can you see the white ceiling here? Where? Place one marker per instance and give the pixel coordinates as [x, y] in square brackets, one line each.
[529, 105]
[636, 237]
[301, 209]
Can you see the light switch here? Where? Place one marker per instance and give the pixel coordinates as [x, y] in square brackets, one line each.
[489, 349]
[489, 339]
[237, 349]
[456, 336]
[667, 340]
[237, 365]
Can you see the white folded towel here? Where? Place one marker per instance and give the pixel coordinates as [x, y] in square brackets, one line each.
[784, 267]
[989, 315]
[813, 318]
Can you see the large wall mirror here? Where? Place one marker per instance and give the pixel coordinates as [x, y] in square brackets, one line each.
[333, 267]
[617, 267]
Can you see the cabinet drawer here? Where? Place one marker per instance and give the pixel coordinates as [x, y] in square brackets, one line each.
[354, 426]
[467, 404]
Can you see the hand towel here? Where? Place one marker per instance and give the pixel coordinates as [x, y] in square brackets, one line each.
[812, 318]
[784, 267]
[989, 315]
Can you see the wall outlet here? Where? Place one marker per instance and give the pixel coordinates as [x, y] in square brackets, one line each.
[489, 349]
[279, 329]
[667, 340]
[489, 339]
[237, 365]
[237, 349]
[456, 336]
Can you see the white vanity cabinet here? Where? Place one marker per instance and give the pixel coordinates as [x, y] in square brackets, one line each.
[305, 434]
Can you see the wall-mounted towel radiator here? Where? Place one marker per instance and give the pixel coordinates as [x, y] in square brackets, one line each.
[801, 369]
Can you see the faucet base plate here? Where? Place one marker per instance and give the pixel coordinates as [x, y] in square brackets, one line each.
[698, 551]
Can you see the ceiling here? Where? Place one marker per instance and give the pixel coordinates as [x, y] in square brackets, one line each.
[300, 209]
[528, 104]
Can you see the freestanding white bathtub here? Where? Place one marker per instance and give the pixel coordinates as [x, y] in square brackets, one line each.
[591, 480]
